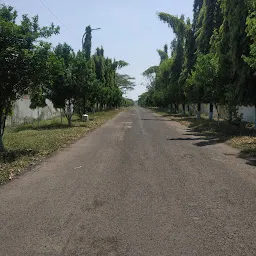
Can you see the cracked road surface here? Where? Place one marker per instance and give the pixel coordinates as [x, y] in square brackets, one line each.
[139, 186]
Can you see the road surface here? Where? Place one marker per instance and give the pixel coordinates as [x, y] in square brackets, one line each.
[139, 185]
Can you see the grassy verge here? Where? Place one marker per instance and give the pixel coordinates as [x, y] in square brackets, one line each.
[26, 144]
[241, 136]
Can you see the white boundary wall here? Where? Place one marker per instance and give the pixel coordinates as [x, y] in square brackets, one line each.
[248, 113]
[22, 113]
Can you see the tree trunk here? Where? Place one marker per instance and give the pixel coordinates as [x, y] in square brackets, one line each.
[176, 108]
[38, 120]
[188, 110]
[230, 116]
[1, 144]
[184, 109]
[61, 115]
[218, 113]
[84, 105]
[171, 108]
[199, 111]
[69, 113]
[69, 121]
[3, 116]
[2, 127]
[255, 117]
[211, 112]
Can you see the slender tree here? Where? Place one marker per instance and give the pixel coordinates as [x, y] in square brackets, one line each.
[232, 44]
[251, 57]
[210, 20]
[179, 28]
[87, 45]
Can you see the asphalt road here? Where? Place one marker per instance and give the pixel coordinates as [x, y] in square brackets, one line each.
[137, 186]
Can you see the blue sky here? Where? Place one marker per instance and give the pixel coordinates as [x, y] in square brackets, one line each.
[130, 30]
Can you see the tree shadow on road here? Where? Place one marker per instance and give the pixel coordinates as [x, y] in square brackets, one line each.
[208, 141]
[154, 119]
[211, 132]
[186, 139]
[203, 141]
[250, 160]
[206, 133]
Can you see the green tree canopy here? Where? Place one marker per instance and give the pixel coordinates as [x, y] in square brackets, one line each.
[17, 57]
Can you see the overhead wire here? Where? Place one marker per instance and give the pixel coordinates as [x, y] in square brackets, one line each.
[44, 4]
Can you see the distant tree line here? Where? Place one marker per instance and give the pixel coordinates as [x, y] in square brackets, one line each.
[73, 81]
[211, 60]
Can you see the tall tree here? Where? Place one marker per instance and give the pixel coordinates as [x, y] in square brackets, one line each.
[251, 57]
[163, 54]
[179, 28]
[203, 79]
[210, 19]
[41, 77]
[17, 42]
[87, 45]
[251, 33]
[231, 44]
[189, 60]
[210, 14]
[166, 49]
[196, 11]
[63, 90]
[84, 78]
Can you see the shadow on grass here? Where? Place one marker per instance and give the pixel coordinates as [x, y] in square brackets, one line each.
[12, 155]
[208, 128]
[167, 115]
[176, 116]
[197, 134]
[50, 126]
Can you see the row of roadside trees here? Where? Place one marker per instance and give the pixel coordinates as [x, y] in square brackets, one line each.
[73, 81]
[212, 59]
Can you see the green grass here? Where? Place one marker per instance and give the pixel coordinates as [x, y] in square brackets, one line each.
[28, 143]
[241, 136]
